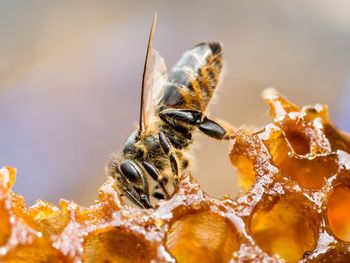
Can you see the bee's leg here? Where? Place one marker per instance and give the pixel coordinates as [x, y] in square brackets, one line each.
[137, 197]
[152, 171]
[182, 118]
[216, 130]
[168, 150]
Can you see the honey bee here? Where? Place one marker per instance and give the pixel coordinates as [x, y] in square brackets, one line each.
[172, 107]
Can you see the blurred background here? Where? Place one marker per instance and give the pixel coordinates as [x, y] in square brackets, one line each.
[70, 74]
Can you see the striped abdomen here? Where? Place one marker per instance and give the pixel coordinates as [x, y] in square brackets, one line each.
[192, 80]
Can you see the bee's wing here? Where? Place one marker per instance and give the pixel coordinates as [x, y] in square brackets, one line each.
[155, 80]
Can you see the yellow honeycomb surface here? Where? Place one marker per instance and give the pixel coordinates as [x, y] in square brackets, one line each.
[294, 207]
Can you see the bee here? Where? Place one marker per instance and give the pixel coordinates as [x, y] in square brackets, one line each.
[172, 107]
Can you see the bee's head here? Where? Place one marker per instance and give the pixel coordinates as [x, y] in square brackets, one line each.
[127, 168]
[133, 146]
[140, 169]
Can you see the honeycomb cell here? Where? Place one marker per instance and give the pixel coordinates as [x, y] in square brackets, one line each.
[286, 227]
[339, 212]
[246, 176]
[115, 245]
[298, 142]
[39, 253]
[338, 139]
[188, 243]
[243, 157]
[47, 218]
[332, 255]
[309, 173]
[5, 226]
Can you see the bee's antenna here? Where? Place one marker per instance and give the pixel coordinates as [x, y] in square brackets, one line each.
[149, 47]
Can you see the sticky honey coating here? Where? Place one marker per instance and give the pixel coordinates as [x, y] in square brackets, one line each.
[294, 207]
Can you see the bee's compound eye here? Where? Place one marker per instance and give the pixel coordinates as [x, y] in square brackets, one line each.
[129, 170]
[130, 143]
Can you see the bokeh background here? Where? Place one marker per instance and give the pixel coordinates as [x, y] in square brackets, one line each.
[70, 74]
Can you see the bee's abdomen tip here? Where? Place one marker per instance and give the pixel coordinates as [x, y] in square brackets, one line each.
[215, 47]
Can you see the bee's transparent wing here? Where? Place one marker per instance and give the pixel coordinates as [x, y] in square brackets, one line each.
[155, 80]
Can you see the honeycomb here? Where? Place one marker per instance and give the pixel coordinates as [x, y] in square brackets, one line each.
[294, 207]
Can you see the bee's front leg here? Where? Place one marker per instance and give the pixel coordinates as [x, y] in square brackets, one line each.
[136, 195]
[182, 118]
[152, 171]
[168, 150]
